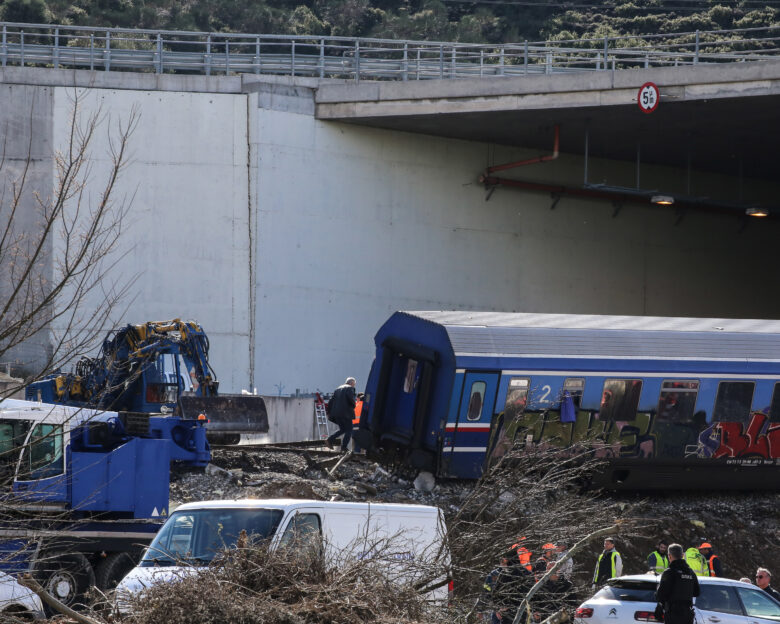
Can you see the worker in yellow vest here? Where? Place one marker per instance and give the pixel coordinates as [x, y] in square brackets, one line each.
[697, 562]
[658, 561]
[609, 564]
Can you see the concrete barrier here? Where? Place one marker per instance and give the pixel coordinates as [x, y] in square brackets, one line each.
[290, 419]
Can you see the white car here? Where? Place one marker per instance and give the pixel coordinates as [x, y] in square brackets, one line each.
[721, 601]
[18, 600]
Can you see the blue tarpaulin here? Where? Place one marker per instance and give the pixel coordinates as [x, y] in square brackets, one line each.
[568, 411]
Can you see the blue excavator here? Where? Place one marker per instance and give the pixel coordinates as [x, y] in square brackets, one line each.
[158, 367]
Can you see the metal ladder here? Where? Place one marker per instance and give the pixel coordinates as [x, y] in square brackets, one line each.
[321, 418]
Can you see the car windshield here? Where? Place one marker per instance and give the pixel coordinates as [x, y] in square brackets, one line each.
[628, 591]
[196, 536]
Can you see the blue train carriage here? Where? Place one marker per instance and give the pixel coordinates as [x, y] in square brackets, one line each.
[670, 402]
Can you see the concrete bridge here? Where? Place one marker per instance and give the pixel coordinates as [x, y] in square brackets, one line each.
[292, 215]
[710, 114]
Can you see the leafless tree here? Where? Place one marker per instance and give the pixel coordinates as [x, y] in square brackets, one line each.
[58, 245]
[533, 495]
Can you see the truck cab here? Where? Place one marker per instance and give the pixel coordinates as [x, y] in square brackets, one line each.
[91, 488]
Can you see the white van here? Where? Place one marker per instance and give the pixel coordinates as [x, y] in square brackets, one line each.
[196, 532]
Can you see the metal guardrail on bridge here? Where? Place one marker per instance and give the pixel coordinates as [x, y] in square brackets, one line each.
[160, 51]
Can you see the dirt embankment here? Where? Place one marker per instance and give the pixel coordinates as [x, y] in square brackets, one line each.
[744, 528]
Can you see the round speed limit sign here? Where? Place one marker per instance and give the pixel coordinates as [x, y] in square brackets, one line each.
[648, 97]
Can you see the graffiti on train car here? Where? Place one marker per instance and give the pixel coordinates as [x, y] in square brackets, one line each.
[759, 439]
[645, 436]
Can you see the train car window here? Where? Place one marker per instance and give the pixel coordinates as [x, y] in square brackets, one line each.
[516, 396]
[575, 386]
[733, 401]
[620, 399]
[476, 400]
[774, 408]
[677, 400]
[410, 380]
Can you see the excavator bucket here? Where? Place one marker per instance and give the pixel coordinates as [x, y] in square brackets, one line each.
[228, 415]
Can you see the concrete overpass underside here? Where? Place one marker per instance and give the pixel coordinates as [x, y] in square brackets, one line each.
[720, 119]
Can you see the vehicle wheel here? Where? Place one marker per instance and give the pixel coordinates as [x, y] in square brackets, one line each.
[65, 576]
[112, 570]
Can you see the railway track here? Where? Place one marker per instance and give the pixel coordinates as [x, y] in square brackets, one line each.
[312, 447]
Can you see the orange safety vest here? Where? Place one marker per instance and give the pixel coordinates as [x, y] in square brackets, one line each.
[709, 562]
[358, 409]
[524, 556]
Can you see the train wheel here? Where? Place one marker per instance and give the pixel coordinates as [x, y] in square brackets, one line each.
[65, 576]
[112, 570]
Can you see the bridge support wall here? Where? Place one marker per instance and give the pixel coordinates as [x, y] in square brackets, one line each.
[292, 239]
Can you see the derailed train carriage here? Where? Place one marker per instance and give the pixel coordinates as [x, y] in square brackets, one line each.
[671, 403]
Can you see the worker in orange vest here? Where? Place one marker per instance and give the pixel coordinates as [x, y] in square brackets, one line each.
[356, 421]
[523, 554]
[358, 409]
[713, 561]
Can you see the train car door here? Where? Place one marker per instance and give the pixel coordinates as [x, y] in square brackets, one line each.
[471, 431]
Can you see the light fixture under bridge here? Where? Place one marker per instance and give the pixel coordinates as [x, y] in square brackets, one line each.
[662, 200]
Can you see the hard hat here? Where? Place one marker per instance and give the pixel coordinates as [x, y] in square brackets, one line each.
[706, 545]
[548, 546]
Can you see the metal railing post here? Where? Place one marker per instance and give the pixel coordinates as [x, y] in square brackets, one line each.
[501, 62]
[208, 55]
[417, 68]
[357, 60]
[696, 50]
[159, 64]
[292, 59]
[606, 53]
[56, 51]
[454, 70]
[21, 47]
[525, 57]
[258, 68]
[322, 58]
[441, 61]
[5, 46]
[227, 57]
[548, 62]
[92, 51]
[405, 70]
[107, 52]
[481, 60]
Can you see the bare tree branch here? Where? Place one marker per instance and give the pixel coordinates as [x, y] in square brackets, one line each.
[60, 288]
[29, 582]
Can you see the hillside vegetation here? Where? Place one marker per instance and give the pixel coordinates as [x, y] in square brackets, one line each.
[488, 21]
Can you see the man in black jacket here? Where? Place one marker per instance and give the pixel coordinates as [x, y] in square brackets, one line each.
[557, 593]
[342, 410]
[677, 589]
[763, 580]
[510, 587]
